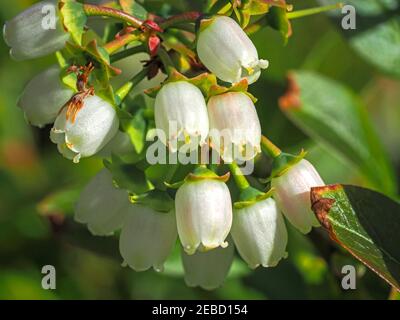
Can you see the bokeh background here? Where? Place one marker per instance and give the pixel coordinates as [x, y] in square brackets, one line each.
[38, 187]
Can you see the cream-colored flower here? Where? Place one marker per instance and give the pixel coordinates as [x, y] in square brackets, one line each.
[292, 194]
[226, 50]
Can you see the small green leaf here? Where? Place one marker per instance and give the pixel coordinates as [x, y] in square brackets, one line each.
[332, 115]
[155, 199]
[127, 176]
[74, 19]
[135, 126]
[365, 223]
[278, 20]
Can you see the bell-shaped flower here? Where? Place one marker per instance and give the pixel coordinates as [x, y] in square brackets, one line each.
[101, 205]
[225, 49]
[203, 214]
[235, 130]
[147, 238]
[43, 97]
[83, 135]
[292, 194]
[207, 270]
[259, 233]
[35, 32]
[181, 115]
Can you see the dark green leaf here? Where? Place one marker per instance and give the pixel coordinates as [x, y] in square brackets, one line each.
[127, 176]
[278, 20]
[365, 223]
[377, 26]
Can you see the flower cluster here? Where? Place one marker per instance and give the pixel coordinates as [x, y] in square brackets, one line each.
[211, 107]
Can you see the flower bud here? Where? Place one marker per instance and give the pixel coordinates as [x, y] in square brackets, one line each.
[292, 194]
[235, 129]
[43, 97]
[204, 214]
[259, 233]
[225, 49]
[147, 238]
[35, 32]
[181, 113]
[96, 123]
[102, 206]
[207, 270]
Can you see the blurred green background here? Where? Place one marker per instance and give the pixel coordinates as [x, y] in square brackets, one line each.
[38, 187]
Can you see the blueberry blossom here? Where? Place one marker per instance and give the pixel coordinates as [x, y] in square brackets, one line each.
[43, 97]
[207, 270]
[35, 32]
[203, 213]
[147, 238]
[292, 194]
[259, 233]
[83, 135]
[101, 205]
[225, 49]
[181, 114]
[235, 129]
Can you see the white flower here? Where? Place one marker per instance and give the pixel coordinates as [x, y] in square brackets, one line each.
[181, 113]
[43, 97]
[292, 194]
[35, 32]
[207, 270]
[235, 129]
[147, 238]
[259, 233]
[102, 206]
[204, 214]
[225, 49]
[94, 126]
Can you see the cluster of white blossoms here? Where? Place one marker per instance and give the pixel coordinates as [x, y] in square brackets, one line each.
[209, 225]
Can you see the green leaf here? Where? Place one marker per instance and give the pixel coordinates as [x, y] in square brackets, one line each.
[365, 223]
[332, 115]
[386, 37]
[134, 8]
[127, 176]
[135, 126]
[278, 20]
[74, 19]
[377, 26]
[155, 199]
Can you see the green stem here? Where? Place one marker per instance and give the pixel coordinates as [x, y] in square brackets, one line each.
[166, 61]
[94, 10]
[240, 179]
[312, 11]
[269, 148]
[127, 87]
[126, 53]
[120, 42]
[180, 19]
